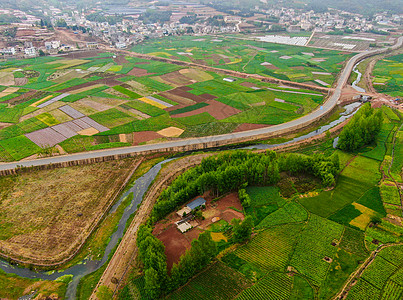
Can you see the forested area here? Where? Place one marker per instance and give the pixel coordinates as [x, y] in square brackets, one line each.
[229, 171]
[362, 130]
[151, 253]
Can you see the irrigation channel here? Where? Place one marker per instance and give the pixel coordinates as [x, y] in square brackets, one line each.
[139, 188]
[357, 80]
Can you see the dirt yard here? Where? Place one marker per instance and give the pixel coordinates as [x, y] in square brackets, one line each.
[45, 215]
[176, 242]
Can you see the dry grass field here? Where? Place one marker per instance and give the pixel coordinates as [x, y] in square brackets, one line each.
[46, 215]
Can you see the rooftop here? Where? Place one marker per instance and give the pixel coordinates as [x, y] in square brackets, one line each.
[196, 203]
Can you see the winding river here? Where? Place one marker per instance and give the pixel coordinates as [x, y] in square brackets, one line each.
[358, 79]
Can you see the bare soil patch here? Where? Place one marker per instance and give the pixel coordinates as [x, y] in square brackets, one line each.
[176, 78]
[139, 72]
[175, 243]
[183, 92]
[120, 60]
[145, 136]
[82, 54]
[248, 126]
[45, 215]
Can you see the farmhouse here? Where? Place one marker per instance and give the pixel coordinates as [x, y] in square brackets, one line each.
[229, 79]
[183, 224]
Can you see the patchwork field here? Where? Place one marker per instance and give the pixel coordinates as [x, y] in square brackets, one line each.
[46, 214]
[316, 66]
[73, 105]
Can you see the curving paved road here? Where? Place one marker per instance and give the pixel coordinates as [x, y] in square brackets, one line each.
[289, 126]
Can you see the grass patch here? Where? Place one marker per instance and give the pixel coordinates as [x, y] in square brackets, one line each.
[127, 92]
[199, 119]
[19, 147]
[112, 118]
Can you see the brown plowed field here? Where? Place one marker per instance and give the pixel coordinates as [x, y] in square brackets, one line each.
[139, 72]
[83, 54]
[248, 84]
[248, 126]
[183, 92]
[176, 78]
[178, 99]
[120, 60]
[145, 136]
[22, 98]
[175, 244]
[20, 81]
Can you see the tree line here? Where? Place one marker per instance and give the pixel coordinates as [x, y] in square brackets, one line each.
[229, 171]
[362, 129]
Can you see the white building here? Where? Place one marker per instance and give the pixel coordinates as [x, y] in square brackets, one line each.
[8, 51]
[30, 51]
[121, 45]
[52, 45]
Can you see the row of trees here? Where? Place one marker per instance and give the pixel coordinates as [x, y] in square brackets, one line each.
[362, 130]
[229, 171]
[151, 253]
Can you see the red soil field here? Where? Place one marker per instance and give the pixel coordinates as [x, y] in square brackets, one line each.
[83, 54]
[248, 126]
[144, 136]
[175, 244]
[139, 72]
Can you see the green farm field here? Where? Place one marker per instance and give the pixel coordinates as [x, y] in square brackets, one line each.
[242, 53]
[74, 105]
[388, 76]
